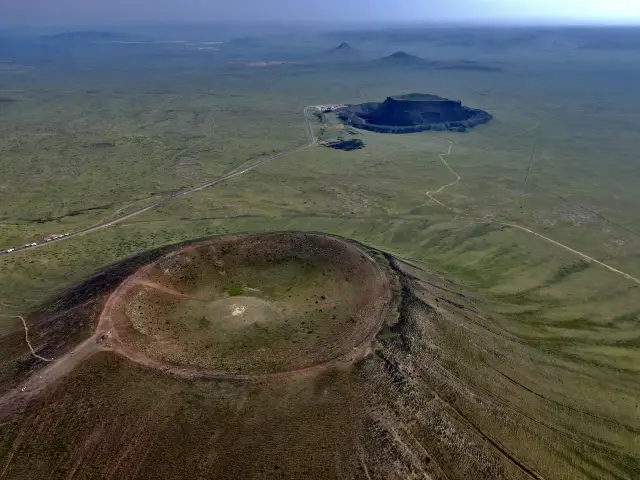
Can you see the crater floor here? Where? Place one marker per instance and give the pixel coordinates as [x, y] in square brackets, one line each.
[251, 305]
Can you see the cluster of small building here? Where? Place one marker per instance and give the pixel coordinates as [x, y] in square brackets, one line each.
[56, 236]
[330, 108]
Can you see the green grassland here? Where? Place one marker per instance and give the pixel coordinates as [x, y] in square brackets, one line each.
[82, 147]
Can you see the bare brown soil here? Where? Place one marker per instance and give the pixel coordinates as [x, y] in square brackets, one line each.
[392, 407]
[258, 333]
[344, 348]
[163, 289]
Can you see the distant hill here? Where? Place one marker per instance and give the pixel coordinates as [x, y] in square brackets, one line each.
[400, 59]
[344, 47]
[343, 52]
[404, 58]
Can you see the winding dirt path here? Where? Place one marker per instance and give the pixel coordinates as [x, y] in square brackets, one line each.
[26, 339]
[582, 255]
[167, 290]
[20, 396]
[26, 335]
[458, 178]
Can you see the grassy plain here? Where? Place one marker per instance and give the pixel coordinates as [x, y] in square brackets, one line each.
[80, 145]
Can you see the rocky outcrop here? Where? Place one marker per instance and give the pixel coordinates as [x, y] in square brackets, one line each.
[411, 113]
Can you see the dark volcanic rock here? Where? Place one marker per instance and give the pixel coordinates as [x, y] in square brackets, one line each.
[417, 109]
[415, 112]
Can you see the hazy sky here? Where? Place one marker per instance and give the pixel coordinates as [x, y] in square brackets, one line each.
[96, 12]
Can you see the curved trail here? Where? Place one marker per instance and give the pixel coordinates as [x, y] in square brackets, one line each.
[168, 291]
[233, 173]
[527, 130]
[458, 178]
[20, 396]
[582, 255]
[26, 336]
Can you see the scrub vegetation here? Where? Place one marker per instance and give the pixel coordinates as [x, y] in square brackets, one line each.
[512, 251]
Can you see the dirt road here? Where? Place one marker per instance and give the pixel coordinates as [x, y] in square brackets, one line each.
[584, 256]
[117, 219]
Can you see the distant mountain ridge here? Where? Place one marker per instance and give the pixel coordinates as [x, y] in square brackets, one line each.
[401, 58]
[405, 58]
[343, 47]
[341, 53]
[85, 35]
